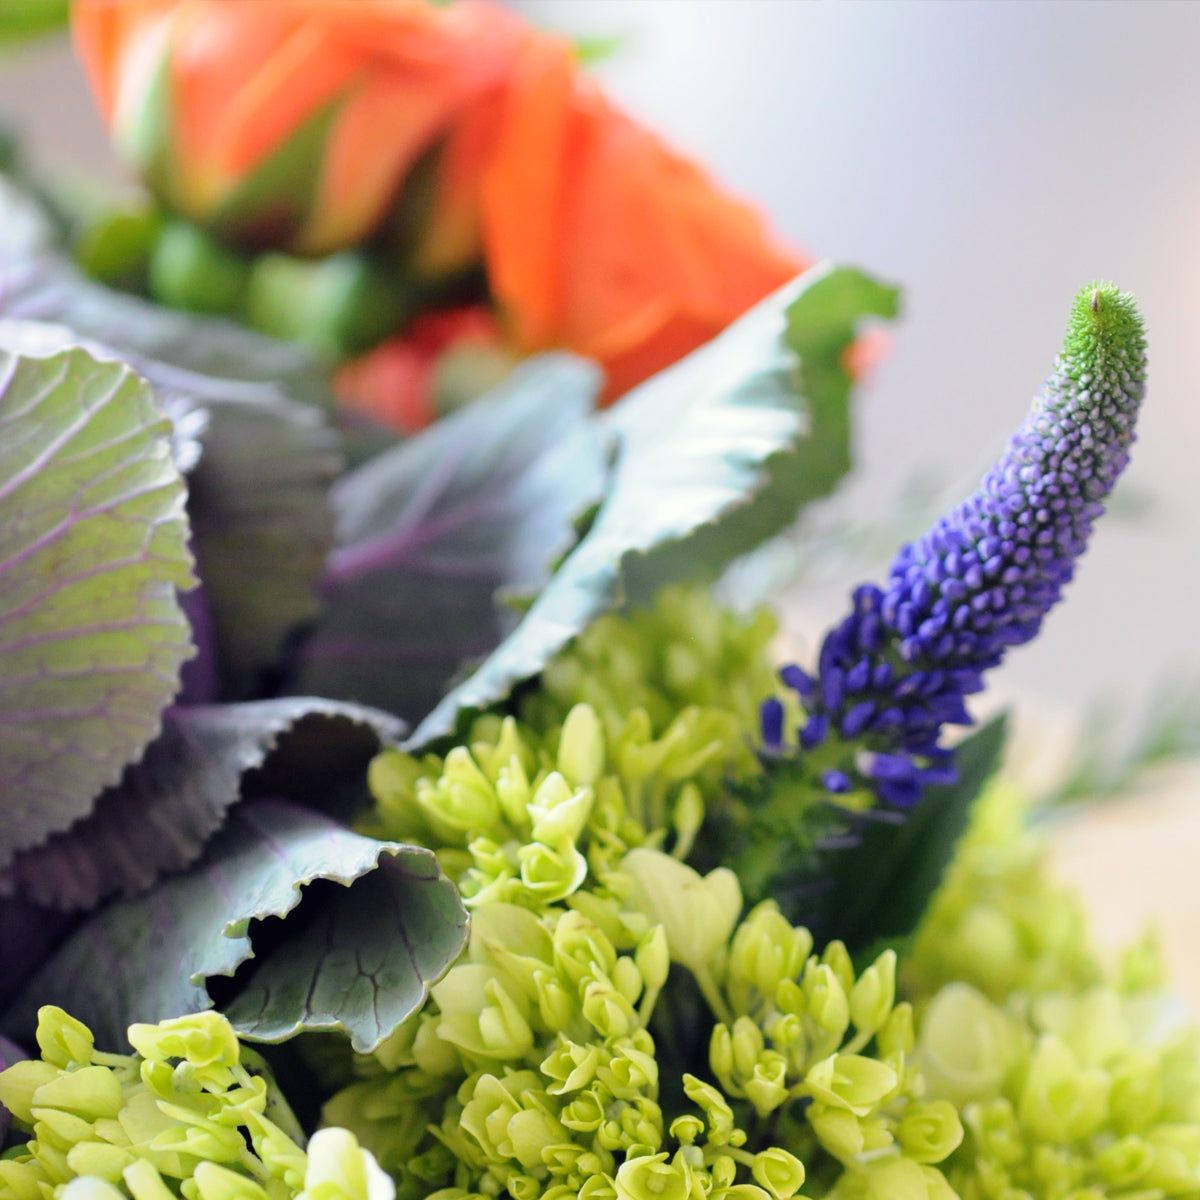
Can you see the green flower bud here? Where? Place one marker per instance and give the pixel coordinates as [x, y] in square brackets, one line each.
[587, 1112]
[781, 1173]
[570, 1066]
[687, 818]
[20, 1082]
[481, 1013]
[88, 1092]
[837, 1129]
[202, 1039]
[903, 1179]
[556, 1006]
[1061, 1101]
[722, 1131]
[339, 1169]
[144, 1182]
[629, 1072]
[828, 1005]
[767, 1087]
[1135, 1099]
[213, 1182]
[86, 1187]
[745, 1191]
[461, 802]
[966, 1046]
[687, 1129]
[720, 1053]
[607, 1011]
[433, 1054]
[765, 951]
[837, 958]
[392, 777]
[929, 1132]
[558, 811]
[895, 1039]
[653, 958]
[551, 874]
[581, 750]
[851, 1081]
[100, 1159]
[697, 913]
[62, 1039]
[747, 1042]
[1123, 1163]
[873, 994]
[651, 1178]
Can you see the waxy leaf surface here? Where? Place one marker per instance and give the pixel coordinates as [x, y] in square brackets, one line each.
[714, 454]
[93, 545]
[358, 953]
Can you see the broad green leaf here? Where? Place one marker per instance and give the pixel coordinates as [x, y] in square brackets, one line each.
[93, 544]
[882, 886]
[715, 454]
[357, 952]
[168, 804]
[430, 531]
[259, 470]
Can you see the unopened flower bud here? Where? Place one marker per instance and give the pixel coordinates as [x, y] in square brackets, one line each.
[929, 1132]
[781, 1173]
[62, 1039]
[873, 993]
[851, 1081]
[653, 958]
[581, 751]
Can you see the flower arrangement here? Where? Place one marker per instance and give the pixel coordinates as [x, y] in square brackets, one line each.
[404, 816]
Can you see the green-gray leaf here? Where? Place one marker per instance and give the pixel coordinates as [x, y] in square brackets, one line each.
[430, 531]
[93, 544]
[358, 930]
[716, 453]
[168, 804]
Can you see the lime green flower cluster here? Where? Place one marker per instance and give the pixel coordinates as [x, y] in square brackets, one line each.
[184, 1116]
[1082, 1095]
[999, 921]
[683, 651]
[546, 1061]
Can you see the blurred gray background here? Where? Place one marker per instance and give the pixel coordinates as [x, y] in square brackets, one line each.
[992, 158]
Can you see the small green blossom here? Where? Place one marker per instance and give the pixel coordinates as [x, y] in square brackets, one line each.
[184, 1116]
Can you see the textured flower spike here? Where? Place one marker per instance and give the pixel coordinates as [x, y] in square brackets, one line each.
[982, 579]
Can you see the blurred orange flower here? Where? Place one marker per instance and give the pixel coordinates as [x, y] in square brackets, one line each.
[455, 132]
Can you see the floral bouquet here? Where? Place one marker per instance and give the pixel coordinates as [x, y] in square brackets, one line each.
[392, 808]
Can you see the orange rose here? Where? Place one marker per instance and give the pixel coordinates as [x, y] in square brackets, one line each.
[288, 122]
[473, 136]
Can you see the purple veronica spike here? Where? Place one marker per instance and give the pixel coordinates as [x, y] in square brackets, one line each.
[982, 579]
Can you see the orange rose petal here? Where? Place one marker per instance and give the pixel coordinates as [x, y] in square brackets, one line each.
[522, 193]
[245, 76]
[451, 237]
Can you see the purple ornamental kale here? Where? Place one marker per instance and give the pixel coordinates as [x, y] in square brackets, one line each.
[982, 579]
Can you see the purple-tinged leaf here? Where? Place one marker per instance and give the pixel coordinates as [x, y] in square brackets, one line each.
[358, 953]
[10, 1053]
[167, 806]
[429, 532]
[259, 469]
[716, 454]
[93, 545]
